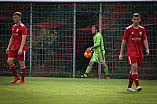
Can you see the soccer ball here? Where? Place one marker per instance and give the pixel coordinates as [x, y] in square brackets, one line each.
[88, 55]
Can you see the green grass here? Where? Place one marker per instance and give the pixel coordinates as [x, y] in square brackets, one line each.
[48, 90]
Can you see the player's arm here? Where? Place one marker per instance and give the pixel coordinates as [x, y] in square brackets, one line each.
[96, 43]
[92, 48]
[10, 44]
[122, 49]
[124, 41]
[146, 46]
[22, 44]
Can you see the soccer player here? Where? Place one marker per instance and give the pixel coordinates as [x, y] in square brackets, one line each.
[99, 53]
[134, 36]
[18, 47]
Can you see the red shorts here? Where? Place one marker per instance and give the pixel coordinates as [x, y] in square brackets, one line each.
[134, 59]
[14, 54]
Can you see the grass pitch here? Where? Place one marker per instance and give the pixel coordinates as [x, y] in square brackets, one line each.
[48, 90]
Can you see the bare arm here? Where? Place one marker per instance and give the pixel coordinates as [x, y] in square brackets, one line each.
[92, 48]
[10, 44]
[146, 46]
[122, 49]
[22, 44]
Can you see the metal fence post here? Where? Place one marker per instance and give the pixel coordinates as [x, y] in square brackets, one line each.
[100, 23]
[74, 42]
[30, 73]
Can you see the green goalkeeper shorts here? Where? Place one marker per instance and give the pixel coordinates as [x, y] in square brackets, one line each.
[99, 58]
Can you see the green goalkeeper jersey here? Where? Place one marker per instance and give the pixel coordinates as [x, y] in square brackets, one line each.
[98, 43]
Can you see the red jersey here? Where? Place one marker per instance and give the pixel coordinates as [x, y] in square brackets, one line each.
[134, 38]
[17, 32]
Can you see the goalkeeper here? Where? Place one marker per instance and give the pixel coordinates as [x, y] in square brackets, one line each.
[99, 53]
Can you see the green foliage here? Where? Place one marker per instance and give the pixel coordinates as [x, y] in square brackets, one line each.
[42, 45]
[44, 39]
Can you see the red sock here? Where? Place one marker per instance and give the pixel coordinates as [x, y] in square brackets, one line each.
[13, 69]
[107, 75]
[86, 73]
[130, 80]
[135, 78]
[23, 70]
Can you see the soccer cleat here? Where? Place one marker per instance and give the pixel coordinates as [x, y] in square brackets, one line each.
[16, 79]
[130, 89]
[82, 76]
[21, 82]
[139, 88]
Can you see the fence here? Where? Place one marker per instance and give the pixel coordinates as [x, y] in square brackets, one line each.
[59, 33]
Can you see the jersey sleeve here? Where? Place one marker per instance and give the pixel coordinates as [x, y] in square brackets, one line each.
[24, 30]
[97, 41]
[126, 34]
[144, 34]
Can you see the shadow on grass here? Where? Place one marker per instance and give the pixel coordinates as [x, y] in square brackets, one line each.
[130, 92]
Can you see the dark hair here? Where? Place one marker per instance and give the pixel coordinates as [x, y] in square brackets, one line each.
[18, 13]
[96, 27]
[136, 15]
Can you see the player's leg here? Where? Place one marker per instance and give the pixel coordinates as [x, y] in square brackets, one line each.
[12, 66]
[21, 59]
[139, 62]
[130, 80]
[134, 67]
[23, 70]
[13, 69]
[89, 68]
[91, 63]
[100, 59]
[10, 60]
[133, 62]
[130, 60]
[135, 75]
[105, 67]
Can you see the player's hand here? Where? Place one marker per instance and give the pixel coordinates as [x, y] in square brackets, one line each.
[7, 50]
[120, 57]
[92, 48]
[19, 52]
[147, 51]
